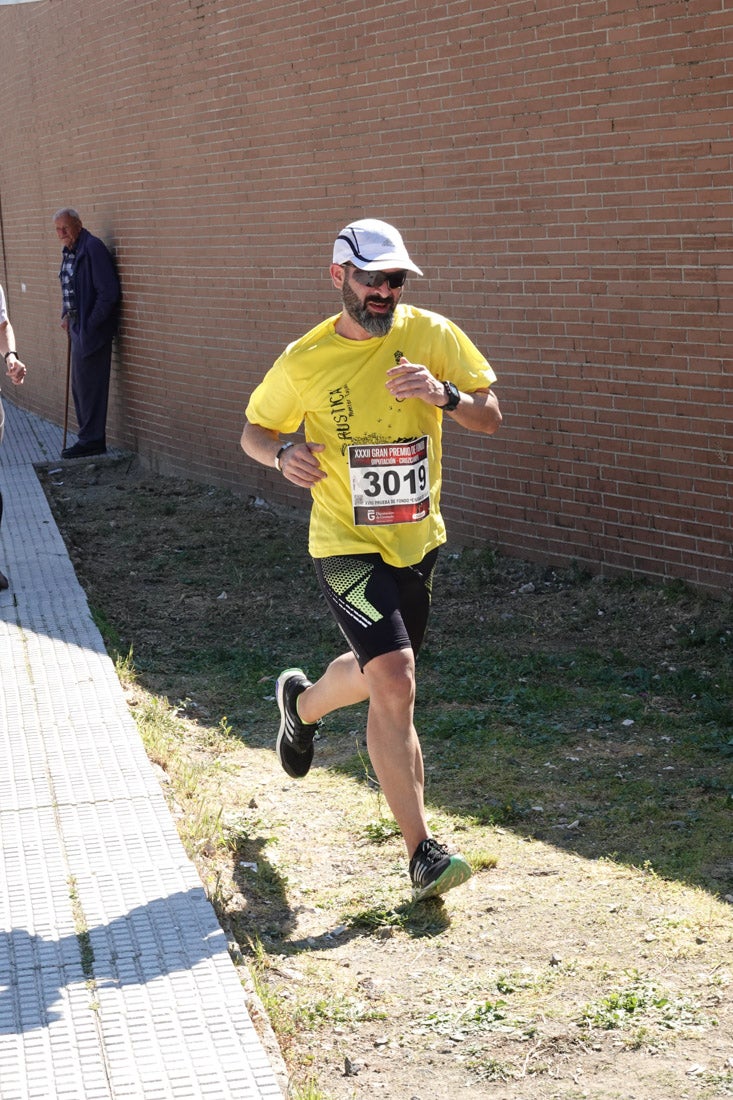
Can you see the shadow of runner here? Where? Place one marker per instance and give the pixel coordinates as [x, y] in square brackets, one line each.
[419, 920]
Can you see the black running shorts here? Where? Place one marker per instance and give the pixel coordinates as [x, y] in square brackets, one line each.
[380, 608]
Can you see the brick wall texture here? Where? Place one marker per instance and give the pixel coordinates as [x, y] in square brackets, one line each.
[561, 172]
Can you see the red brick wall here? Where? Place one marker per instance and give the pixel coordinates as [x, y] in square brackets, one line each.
[561, 172]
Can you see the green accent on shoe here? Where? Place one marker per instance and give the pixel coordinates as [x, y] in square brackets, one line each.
[456, 873]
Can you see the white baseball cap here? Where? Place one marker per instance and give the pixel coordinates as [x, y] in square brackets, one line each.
[373, 246]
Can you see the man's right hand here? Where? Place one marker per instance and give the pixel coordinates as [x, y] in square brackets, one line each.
[300, 465]
[16, 371]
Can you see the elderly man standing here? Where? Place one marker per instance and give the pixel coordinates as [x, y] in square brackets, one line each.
[16, 373]
[90, 292]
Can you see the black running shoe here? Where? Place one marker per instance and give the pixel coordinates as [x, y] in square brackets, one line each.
[295, 739]
[434, 870]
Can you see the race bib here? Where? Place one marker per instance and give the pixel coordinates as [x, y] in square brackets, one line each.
[390, 482]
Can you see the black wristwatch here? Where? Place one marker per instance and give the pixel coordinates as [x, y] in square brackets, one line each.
[454, 397]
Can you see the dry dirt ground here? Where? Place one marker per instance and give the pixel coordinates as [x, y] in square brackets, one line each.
[567, 968]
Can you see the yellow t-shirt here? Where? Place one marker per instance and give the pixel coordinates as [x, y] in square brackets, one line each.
[382, 456]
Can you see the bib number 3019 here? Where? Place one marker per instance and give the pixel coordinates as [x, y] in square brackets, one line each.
[390, 482]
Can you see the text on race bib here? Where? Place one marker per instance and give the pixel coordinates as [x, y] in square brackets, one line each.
[390, 482]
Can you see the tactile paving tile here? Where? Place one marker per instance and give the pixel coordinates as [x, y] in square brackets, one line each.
[115, 978]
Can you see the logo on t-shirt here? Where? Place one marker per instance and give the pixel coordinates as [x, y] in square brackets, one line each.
[341, 413]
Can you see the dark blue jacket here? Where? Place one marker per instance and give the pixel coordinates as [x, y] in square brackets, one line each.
[97, 293]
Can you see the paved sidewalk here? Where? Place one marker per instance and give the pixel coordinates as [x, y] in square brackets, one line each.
[115, 978]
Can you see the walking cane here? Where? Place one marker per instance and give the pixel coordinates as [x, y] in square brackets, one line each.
[68, 376]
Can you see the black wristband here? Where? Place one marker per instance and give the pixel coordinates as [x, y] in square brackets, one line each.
[7, 353]
[454, 397]
[285, 447]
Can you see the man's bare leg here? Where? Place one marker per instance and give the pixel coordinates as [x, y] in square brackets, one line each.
[388, 682]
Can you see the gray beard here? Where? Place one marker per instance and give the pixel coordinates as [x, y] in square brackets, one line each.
[374, 324]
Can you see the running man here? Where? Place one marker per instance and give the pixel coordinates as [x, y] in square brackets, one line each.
[371, 386]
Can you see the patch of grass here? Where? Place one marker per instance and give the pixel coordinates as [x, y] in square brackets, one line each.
[201, 827]
[481, 860]
[159, 729]
[491, 1069]
[375, 919]
[278, 1012]
[125, 667]
[110, 635]
[309, 1090]
[637, 1001]
[316, 1012]
[86, 950]
[381, 830]
[476, 1018]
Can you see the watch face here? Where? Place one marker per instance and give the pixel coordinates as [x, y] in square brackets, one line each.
[453, 395]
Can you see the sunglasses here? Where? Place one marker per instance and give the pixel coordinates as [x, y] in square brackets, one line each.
[373, 279]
